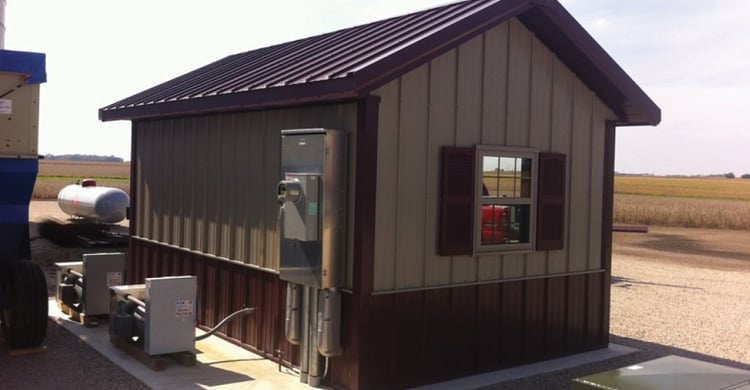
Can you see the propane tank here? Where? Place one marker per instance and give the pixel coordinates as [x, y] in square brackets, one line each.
[88, 201]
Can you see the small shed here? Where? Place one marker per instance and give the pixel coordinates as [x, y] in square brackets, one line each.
[476, 197]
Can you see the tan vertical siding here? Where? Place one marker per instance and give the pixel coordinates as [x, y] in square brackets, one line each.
[205, 183]
[386, 203]
[561, 119]
[501, 88]
[442, 132]
[580, 186]
[468, 127]
[596, 189]
[412, 150]
[539, 127]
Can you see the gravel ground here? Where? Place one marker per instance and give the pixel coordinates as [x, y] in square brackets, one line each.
[674, 291]
[67, 362]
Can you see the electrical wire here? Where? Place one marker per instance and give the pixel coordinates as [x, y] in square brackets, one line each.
[211, 331]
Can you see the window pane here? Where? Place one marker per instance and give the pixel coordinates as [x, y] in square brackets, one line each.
[506, 177]
[490, 176]
[505, 224]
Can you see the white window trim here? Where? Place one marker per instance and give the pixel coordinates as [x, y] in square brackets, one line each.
[502, 151]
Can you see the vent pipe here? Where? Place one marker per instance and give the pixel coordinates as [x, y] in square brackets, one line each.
[2, 24]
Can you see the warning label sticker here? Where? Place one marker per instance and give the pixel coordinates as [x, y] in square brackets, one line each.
[6, 106]
[183, 308]
[114, 279]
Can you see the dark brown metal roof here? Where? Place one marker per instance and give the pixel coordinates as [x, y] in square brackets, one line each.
[350, 63]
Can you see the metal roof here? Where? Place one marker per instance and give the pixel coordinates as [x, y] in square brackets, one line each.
[350, 63]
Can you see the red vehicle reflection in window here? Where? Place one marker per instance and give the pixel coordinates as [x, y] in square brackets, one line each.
[494, 221]
[494, 224]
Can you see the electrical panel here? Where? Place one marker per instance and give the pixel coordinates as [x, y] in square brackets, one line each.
[312, 206]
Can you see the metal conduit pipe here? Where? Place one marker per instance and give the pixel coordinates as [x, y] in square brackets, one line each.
[135, 300]
[211, 331]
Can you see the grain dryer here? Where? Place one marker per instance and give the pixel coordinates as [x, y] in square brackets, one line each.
[23, 288]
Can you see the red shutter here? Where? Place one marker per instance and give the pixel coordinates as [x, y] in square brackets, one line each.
[550, 222]
[457, 202]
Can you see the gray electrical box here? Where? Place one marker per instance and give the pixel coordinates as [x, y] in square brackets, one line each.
[170, 314]
[100, 272]
[312, 200]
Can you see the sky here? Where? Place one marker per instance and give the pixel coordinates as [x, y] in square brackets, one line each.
[692, 57]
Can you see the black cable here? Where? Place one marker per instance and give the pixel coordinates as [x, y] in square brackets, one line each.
[246, 310]
[11, 90]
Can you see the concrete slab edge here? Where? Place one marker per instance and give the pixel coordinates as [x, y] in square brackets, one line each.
[547, 366]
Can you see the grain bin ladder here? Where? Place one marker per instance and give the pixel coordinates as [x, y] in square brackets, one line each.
[23, 287]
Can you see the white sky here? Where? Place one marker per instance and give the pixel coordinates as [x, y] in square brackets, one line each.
[692, 57]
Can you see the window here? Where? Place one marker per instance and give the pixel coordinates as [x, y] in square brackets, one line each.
[506, 184]
[490, 200]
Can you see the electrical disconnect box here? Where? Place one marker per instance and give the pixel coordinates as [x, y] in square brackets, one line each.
[158, 316]
[84, 285]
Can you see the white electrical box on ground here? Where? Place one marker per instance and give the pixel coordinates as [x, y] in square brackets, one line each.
[170, 314]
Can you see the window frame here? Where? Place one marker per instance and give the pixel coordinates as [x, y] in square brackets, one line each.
[482, 151]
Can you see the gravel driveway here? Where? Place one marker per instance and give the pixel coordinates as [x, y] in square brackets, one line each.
[675, 291]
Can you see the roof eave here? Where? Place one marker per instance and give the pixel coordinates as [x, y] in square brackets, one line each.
[323, 91]
[575, 47]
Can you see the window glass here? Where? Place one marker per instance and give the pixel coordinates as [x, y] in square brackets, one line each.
[506, 177]
[506, 218]
[505, 224]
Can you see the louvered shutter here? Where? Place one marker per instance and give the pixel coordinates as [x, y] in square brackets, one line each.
[550, 225]
[457, 202]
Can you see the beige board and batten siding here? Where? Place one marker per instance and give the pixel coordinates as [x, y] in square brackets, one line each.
[503, 88]
[207, 183]
[19, 131]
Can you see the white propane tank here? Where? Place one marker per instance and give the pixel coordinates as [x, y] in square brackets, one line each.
[88, 201]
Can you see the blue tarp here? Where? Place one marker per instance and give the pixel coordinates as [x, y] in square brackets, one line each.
[31, 64]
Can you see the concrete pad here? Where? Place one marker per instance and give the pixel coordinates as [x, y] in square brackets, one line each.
[223, 365]
[220, 364]
[509, 374]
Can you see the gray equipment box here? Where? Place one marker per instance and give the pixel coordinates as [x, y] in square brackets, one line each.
[313, 198]
[669, 372]
[100, 272]
[170, 314]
